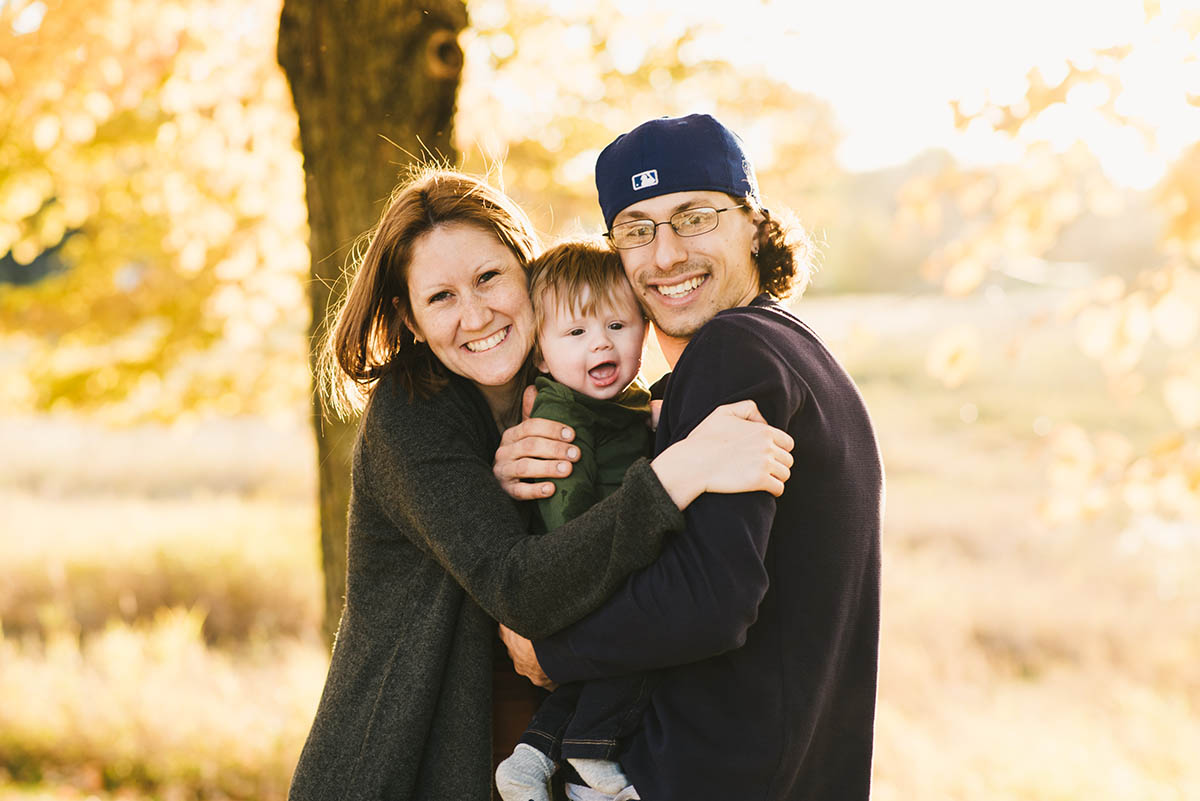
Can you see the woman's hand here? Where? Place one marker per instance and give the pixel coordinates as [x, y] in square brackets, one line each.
[732, 450]
[534, 448]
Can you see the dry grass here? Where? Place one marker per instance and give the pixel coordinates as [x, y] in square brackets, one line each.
[1019, 661]
[249, 564]
[154, 708]
[1022, 661]
[56, 455]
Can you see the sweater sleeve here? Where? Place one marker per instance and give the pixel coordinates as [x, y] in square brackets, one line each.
[702, 595]
[576, 493]
[430, 477]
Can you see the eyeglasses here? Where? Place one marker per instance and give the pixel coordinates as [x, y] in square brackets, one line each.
[689, 222]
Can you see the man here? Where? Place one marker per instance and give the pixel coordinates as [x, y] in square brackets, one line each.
[762, 617]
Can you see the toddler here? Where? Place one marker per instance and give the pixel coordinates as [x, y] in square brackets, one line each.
[591, 331]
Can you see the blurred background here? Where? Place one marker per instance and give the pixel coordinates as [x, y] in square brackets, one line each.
[1007, 200]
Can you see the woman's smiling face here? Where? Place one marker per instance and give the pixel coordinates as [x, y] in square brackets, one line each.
[469, 301]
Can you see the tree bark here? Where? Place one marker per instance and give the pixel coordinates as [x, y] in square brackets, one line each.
[374, 84]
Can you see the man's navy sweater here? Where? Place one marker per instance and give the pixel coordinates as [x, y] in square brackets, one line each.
[763, 615]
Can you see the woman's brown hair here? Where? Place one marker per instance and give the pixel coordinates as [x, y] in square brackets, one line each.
[368, 338]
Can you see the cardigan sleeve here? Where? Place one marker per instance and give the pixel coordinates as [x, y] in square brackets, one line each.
[430, 473]
[702, 595]
[576, 493]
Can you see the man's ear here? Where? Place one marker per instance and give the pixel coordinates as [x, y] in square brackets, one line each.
[760, 222]
[759, 219]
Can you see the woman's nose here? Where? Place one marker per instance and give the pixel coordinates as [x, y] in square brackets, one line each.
[476, 313]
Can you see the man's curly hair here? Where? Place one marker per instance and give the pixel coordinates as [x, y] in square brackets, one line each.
[785, 253]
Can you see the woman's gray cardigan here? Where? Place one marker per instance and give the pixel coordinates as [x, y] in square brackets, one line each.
[438, 553]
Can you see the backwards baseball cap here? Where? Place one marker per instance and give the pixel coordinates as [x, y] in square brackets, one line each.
[672, 154]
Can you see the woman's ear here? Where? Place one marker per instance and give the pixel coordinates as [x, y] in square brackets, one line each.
[408, 322]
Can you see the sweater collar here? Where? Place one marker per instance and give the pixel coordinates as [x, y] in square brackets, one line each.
[635, 397]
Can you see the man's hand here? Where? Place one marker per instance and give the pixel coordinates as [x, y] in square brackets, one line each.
[534, 448]
[524, 658]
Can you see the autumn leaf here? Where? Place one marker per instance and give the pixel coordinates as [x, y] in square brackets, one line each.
[953, 355]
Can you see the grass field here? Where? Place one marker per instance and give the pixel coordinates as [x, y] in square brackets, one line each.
[159, 591]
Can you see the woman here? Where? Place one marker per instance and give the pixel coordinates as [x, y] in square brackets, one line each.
[435, 335]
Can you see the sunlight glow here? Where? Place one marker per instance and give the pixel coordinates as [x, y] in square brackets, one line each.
[891, 79]
[29, 19]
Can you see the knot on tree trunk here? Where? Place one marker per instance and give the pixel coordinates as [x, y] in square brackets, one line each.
[443, 56]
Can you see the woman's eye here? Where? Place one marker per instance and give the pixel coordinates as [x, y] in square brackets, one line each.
[439, 296]
[488, 276]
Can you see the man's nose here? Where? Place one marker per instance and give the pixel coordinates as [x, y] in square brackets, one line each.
[668, 248]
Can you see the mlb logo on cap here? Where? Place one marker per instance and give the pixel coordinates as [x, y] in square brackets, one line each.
[645, 179]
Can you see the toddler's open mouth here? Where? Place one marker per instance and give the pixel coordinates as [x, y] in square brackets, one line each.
[603, 374]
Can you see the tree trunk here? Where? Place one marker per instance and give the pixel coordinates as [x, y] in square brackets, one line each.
[374, 84]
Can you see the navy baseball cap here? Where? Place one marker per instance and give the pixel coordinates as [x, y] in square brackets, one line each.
[672, 154]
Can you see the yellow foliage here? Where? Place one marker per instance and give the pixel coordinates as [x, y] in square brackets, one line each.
[1022, 211]
[153, 154]
[1176, 312]
[547, 85]
[964, 276]
[1181, 391]
[146, 140]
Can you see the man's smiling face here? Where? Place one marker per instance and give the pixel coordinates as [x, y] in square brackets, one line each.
[684, 281]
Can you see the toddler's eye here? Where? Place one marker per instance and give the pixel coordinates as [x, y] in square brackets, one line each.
[575, 332]
[616, 326]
